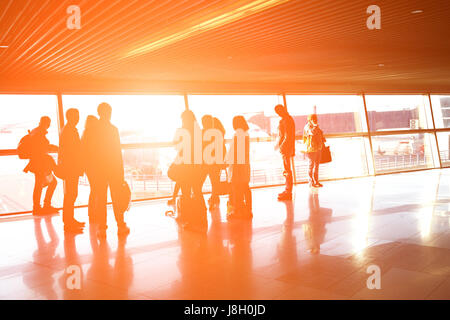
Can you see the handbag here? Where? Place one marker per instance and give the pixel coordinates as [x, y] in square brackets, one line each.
[124, 197]
[175, 172]
[325, 155]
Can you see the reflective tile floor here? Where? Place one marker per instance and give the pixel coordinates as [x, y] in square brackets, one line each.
[319, 246]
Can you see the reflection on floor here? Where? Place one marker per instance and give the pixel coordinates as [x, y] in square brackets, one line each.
[318, 246]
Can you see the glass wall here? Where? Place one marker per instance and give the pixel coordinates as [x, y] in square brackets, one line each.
[399, 129]
[441, 111]
[257, 110]
[21, 113]
[398, 112]
[403, 152]
[336, 113]
[139, 118]
[443, 139]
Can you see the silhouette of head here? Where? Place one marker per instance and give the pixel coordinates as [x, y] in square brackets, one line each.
[280, 110]
[313, 118]
[91, 121]
[207, 121]
[188, 119]
[104, 111]
[239, 122]
[72, 116]
[44, 123]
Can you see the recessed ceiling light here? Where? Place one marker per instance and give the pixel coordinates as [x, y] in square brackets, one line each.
[381, 65]
[416, 11]
[3, 47]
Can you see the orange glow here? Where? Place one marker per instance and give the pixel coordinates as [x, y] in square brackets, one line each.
[234, 15]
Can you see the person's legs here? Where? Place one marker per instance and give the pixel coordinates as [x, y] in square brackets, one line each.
[248, 199]
[114, 187]
[49, 192]
[316, 167]
[101, 196]
[311, 167]
[197, 187]
[37, 192]
[214, 177]
[92, 200]
[288, 173]
[176, 190]
[70, 195]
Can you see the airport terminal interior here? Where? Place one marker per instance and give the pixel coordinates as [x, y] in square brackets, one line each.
[379, 228]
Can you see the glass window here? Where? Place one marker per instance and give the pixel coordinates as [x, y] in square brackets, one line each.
[257, 110]
[398, 112]
[146, 171]
[444, 146]
[22, 113]
[403, 152]
[441, 110]
[139, 118]
[349, 160]
[336, 113]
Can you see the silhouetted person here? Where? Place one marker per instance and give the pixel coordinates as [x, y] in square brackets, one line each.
[42, 165]
[314, 140]
[192, 204]
[214, 170]
[70, 168]
[286, 145]
[240, 199]
[109, 171]
[90, 163]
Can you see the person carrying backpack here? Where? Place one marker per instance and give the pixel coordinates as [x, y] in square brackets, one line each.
[314, 140]
[35, 146]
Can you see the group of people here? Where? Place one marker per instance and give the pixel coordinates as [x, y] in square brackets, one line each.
[190, 177]
[98, 154]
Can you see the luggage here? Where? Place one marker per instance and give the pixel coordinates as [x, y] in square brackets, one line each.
[124, 197]
[325, 154]
[191, 214]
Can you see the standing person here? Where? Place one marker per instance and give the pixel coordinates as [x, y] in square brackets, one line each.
[191, 177]
[109, 171]
[314, 140]
[286, 145]
[42, 165]
[88, 147]
[240, 200]
[70, 168]
[214, 170]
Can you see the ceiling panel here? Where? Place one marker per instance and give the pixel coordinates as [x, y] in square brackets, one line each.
[224, 46]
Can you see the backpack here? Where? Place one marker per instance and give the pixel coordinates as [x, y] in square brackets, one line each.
[315, 141]
[25, 147]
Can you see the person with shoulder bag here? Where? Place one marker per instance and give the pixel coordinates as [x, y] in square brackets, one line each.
[314, 140]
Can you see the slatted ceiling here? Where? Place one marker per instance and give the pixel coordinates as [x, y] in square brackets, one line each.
[91, 51]
[294, 44]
